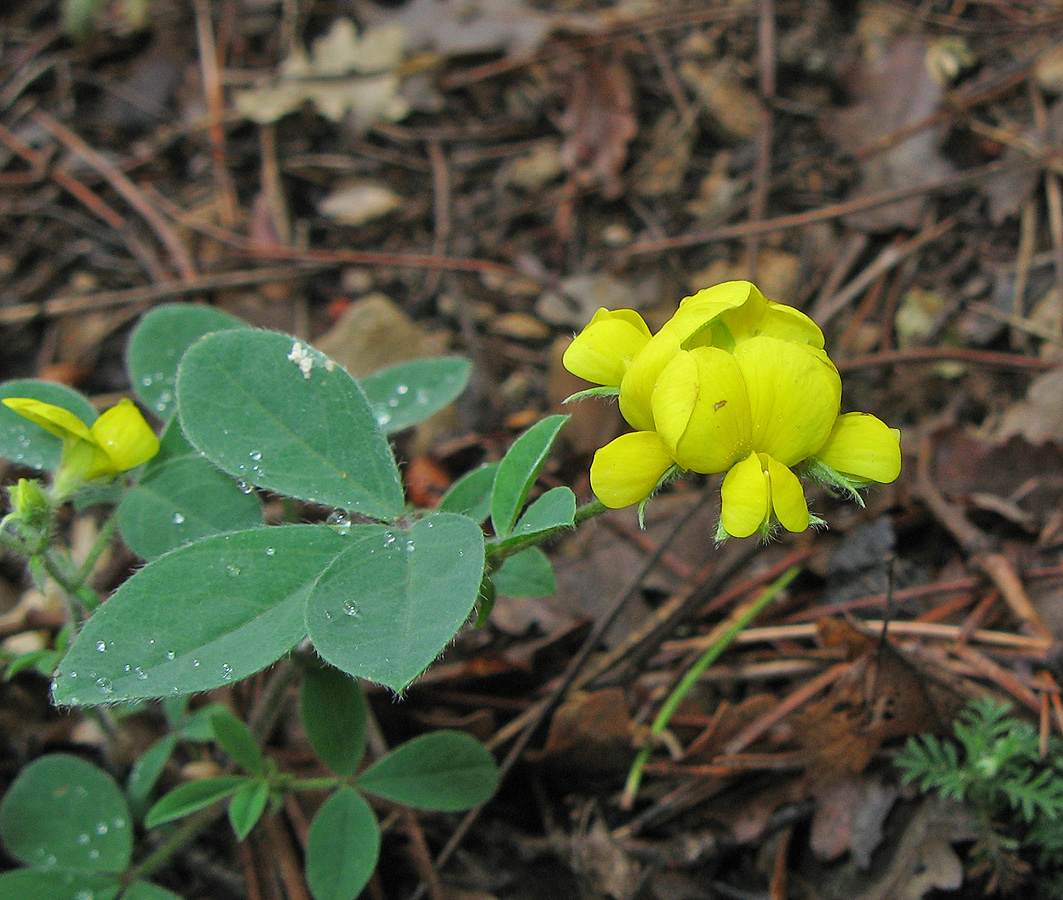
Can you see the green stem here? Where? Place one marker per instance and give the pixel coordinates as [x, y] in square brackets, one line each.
[183, 835]
[103, 540]
[739, 621]
[510, 546]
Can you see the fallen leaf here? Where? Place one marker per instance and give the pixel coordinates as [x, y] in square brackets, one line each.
[591, 733]
[342, 75]
[1039, 418]
[849, 816]
[359, 202]
[598, 123]
[894, 90]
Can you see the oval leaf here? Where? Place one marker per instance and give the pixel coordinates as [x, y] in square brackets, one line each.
[62, 812]
[335, 716]
[145, 890]
[245, 404]
[160, 340]
[236, 739]
[146, 772]
[198, 617]
[518, 470]
[247, 806]
[554, 509]
[525, 574]
[444, 770]
[342, 847]
[387, 606]
[186, 799]
[470, 495]
[181, 498]
[33, 884]
[403, 395]
[22, 441]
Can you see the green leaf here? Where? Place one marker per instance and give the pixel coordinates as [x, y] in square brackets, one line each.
[157, 344]
[470, 495]
[145, 890]
[62, 812]
[237, 740]
[443, 770]
[145, 774]
[525, 574]
[246, 405]
[342, 847]
[181, 498]
[247, 806]
[387, 606]
[186, 799]
[199, 617]
[22, 441]
[34, 884]
[335, 716]
[518, 470]
[403, 395]
[554, 509]
[197, 727]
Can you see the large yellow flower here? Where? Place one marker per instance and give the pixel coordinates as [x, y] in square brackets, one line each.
[117, 441]
[733, 383]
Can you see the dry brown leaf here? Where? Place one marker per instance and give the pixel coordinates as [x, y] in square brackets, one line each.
[592, 733]
[598, 124]
[894, 90]
[849, 817]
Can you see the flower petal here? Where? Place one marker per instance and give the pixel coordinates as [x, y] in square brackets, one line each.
[626, 470]
[794, 393]
[600, 353]
[746, 497]
[787, 496]
[784, 322]
[701, 410]
[125, 437]
[863, 447]
[699, 311]
[53, 419]
[641, 378]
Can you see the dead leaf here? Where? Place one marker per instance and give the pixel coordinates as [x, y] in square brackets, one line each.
[849, 817]
[342, 75]
[1039, 418]
[458, 27]
[598, 123]
[736, 108]
[894, 90]
[358, 202]
[591, 733]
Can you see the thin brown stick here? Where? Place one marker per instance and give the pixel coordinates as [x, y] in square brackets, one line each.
[125, 187]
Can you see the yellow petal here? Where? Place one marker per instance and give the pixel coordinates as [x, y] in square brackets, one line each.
[53, 419]
[626, 470]
[601, 352]
[794, 393]
[641, 378]
[864, 447]
[125, 437]
[82, 461]
[701, 410]
[699, 311]
[787, 496]
[746, 498]
[784, 322]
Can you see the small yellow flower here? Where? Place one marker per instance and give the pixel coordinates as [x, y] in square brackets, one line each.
[733, 383]
[117, 441]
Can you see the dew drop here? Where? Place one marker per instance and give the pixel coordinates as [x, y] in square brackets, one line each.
[195, 663]
[255, 455]
[341, 522]
[84, 895]
[226, 672]
[170, 654]
[382, 418]
[141, 674]
[83, 839]
[101, 829]
[178, 519]
[232, 571]
[146, 381]
[393, 402]
[105, 686]
[119, 823]
[245, 486]
[94, 854]
[270, 551]
[350, 608]
[402, 389]
[101, 646]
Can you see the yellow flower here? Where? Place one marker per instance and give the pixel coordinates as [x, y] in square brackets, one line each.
[733, 383]
[118, 440]
[602, 351]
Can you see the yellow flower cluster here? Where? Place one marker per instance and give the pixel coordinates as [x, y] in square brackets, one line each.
[733, 383]
[117, 441]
